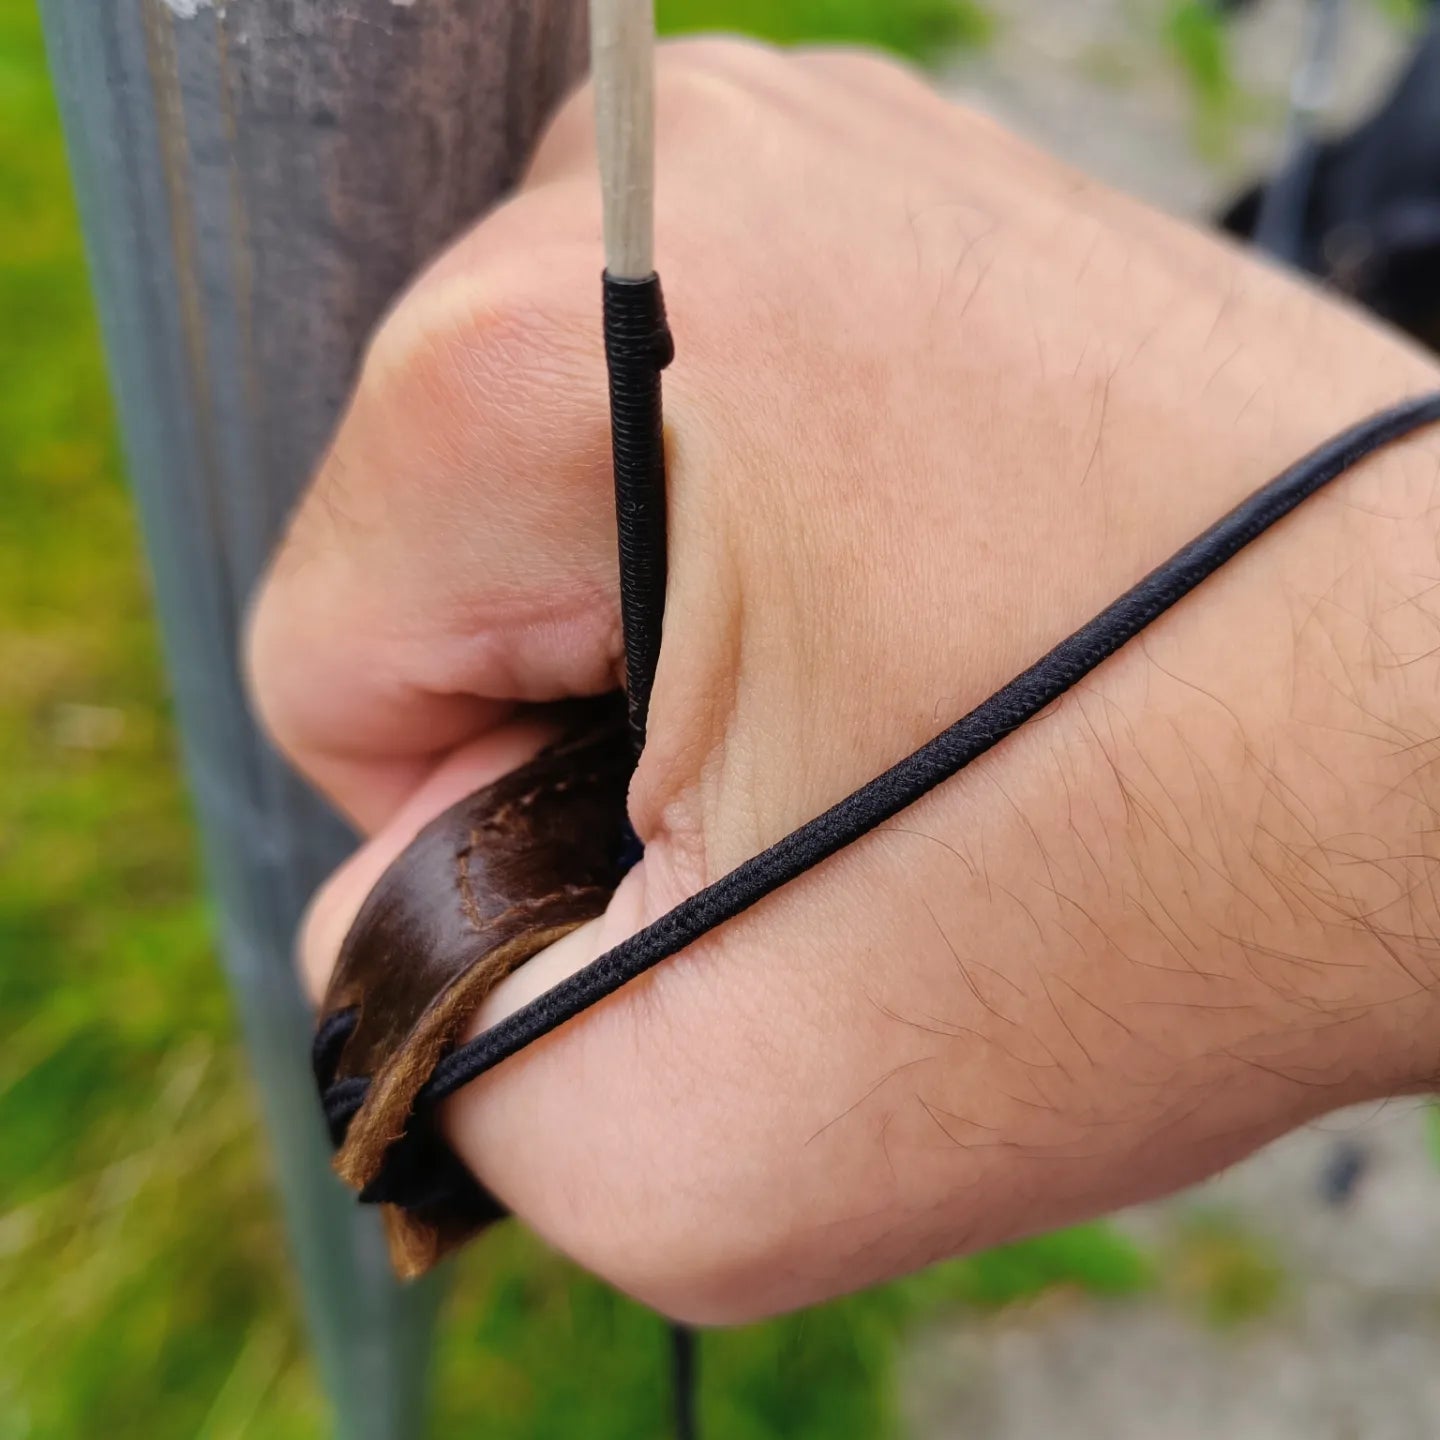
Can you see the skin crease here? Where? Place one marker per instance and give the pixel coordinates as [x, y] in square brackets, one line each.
[937, 400]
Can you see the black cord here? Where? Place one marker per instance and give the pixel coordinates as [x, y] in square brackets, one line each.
[637, 348]
[685, 1380]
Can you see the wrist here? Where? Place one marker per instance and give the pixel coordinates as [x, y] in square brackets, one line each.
[1285, 740]
[1382, 675]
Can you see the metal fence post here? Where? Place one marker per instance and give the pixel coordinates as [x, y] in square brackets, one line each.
[256, 180]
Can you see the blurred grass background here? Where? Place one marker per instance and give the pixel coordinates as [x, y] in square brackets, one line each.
[144, 1285]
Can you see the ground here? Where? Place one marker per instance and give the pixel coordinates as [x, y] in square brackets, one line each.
[1299, 1300]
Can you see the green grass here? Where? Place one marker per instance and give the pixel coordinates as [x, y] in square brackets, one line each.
[1408, 13]
[1432, 1131]
[1198, 40]
[1220, 1270]
[144, 1289]
[918, 29]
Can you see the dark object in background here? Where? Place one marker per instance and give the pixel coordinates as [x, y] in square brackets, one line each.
[1365, 206]
[1345, 1167]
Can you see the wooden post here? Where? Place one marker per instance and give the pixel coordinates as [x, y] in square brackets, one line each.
[257, 178]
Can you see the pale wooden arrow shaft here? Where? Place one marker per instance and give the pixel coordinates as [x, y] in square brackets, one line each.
[622, 43]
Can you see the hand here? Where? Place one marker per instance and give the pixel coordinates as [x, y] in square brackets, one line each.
[937, 400]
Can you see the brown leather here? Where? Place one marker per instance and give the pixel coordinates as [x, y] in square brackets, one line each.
[496, 878]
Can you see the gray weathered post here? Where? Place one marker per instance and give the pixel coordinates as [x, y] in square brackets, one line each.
[257, 178]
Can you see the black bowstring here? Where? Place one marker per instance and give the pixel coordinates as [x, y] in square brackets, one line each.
[638, 346]
[685, 1380]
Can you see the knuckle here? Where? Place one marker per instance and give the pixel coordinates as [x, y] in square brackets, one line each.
[688, 100]
[458, 365]
[729, 54]
[862, 67]
[701, 81]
